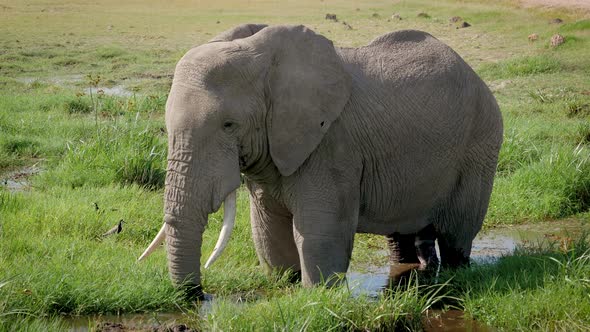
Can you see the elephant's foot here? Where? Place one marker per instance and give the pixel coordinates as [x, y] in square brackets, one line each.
[452, 256]
[193, 293]
[401, 274]
[426, 248]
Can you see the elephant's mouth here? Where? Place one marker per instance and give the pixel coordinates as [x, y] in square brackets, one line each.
[229, 219]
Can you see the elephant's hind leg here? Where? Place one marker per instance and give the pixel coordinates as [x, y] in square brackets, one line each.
[409, 252]
[272, 232]
[402, 249]
[459, 220]
[416, 248]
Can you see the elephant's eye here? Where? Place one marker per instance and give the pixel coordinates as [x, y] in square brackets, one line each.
[228, 125]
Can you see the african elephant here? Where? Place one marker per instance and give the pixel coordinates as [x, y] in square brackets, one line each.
[399, 138]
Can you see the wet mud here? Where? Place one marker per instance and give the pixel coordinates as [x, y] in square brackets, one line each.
[155, 322]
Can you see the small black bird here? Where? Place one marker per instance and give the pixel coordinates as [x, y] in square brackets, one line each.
[115, 230]
[96, 206]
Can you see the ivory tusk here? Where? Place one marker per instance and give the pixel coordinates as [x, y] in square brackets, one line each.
[229, 220]
[160, 237]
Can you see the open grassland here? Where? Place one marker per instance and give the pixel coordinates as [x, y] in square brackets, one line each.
[103, 160]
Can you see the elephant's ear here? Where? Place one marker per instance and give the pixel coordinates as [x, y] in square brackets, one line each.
[308, 88]
[241, 31]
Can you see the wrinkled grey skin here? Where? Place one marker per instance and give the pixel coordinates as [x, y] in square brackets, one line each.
[398, 138]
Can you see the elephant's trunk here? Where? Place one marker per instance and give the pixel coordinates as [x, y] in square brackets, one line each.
[186, 210]
[183, 244]
[184, 220]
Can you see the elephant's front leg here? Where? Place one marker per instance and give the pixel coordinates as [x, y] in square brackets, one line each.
[272, 231]
[324, 234]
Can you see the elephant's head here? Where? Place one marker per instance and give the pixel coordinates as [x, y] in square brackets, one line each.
[256, 100]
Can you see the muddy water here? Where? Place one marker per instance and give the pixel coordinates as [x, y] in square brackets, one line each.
[58, 80]
[128, 322]
[18, 180]
[451, 321]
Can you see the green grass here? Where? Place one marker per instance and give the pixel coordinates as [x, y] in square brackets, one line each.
[322, 309]
[535, 289]
[521, 67]
[109, 152]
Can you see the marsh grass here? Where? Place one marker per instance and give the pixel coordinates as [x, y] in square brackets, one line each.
[78, 105]
[76, 271]
[583, 133]
[551, 281]
[556, 186]
[125, 152]
[324, 309]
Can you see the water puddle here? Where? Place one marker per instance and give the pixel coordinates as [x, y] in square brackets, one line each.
[451, 321]
[117, 90]
[488, 247]
[17, 181]
[72, 80]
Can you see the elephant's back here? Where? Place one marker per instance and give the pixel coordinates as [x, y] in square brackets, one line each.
[407, 57]
[416, 83]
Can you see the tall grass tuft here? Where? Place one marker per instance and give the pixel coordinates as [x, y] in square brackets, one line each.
[10, 202]
[21, 146]
[78, 106]
[123, 153]
[518, 150]
[556, 186]
[583, 133]
[144, 169]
